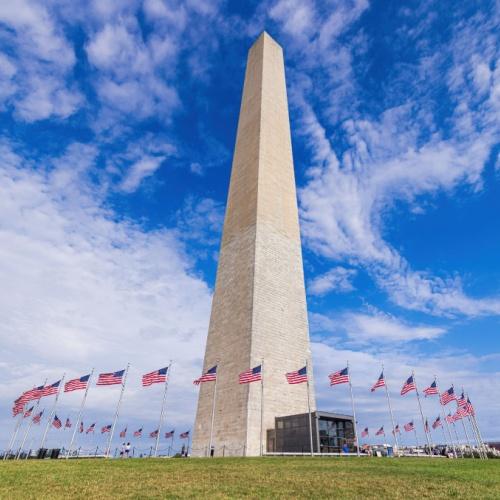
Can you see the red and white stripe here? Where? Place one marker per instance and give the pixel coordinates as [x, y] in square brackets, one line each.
[340, 377]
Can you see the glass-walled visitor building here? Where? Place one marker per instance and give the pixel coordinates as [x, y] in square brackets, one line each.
[331, 431]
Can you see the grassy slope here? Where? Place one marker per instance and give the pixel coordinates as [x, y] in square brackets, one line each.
[236, 478]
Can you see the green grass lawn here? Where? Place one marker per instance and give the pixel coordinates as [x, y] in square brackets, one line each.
[251, 478]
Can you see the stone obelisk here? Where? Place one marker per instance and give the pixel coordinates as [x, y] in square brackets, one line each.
[259, 307]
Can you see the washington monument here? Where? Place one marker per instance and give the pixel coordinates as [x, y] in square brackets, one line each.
[259, 311]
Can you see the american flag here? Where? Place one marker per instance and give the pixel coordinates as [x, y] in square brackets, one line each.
[470, 408]
[27, 413]
[138, 433]
[396, 430]
[432, 390]
[22, 399]
[76, 384]
[184, 435]
[460, 413]
[50, 390]
[90, 429]
[252, 375]
[106, 428]
[56, 422]
[209, 376]
[409, 426]
[426, 426]
[379, 383]
[35, 393]
[110, 378]
[340, 377]
[123, 433]
[450, 418]
[364, 432]
[156, 377]
[67, 425]
[408, 386]
[380, 432]
[38, 417]
[17, 409]
[447, 396]
[461, 401]
[297, 377]
[437, 423]
[153, 434]
[169, 435]
[81, 428]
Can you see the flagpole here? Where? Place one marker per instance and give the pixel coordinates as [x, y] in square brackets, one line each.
[213, 411]
[162, 408]
[466, 433]
[261, 406]
[474, 431]
[467, 437]
[117, 411]
[401, 440]
[51, 416]
[29, 426]
[353, 411]
[416, 438]
[444, 435]
[457, 438]
[421, 413]
[390, 408]
[442, 416]
[14, 434]
[309, 410]
[80, 413]
[482, 447]
[445, 420]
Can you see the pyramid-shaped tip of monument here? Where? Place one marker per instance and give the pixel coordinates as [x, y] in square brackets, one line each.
[266, 37]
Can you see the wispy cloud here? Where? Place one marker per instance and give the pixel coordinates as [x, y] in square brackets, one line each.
[338, 279]
[143, 168]
[83, 282]
[35, 79]
[374, 327]
[398, 154]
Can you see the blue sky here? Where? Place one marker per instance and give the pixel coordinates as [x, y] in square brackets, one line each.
[118, 122]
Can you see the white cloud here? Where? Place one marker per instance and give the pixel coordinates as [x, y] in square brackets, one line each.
[143, 168]
[36, 82]
[201, 220]
[196, 168]
[131, 78]
[338, 279]
[374, 327]
[346, 199]
[296, 17]
[381, 327]
[87, 289]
